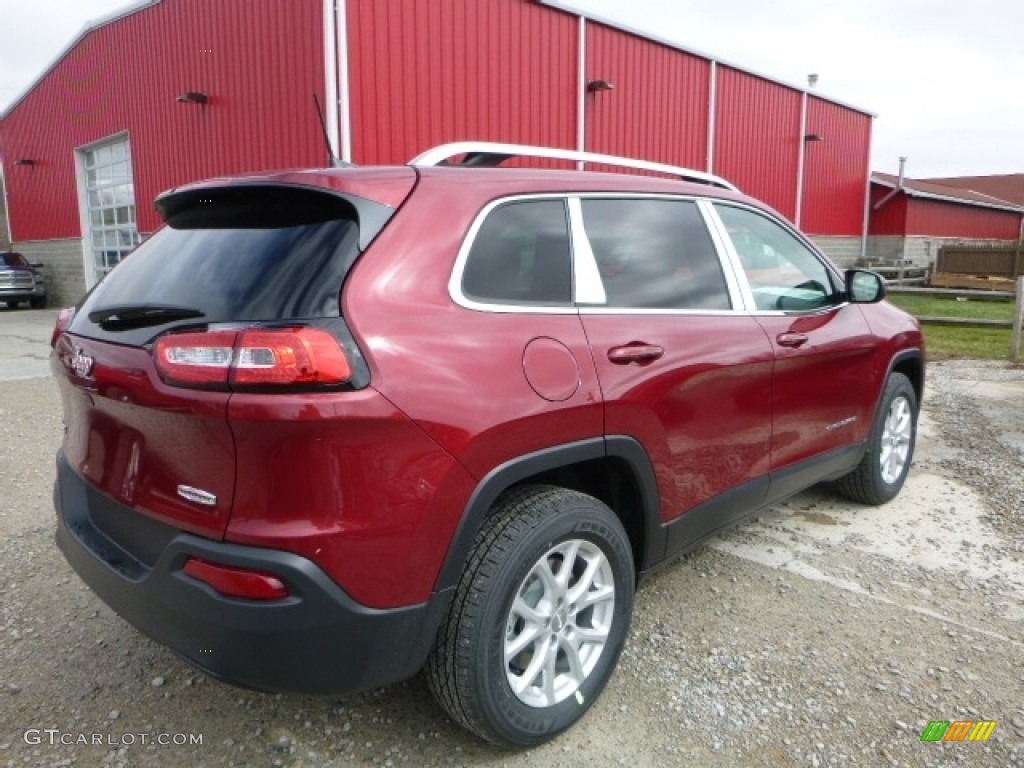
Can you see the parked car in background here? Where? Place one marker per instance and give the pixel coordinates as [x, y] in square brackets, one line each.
[21, 281]
[328, 427]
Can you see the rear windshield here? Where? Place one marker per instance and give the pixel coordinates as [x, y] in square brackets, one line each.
[258, 258]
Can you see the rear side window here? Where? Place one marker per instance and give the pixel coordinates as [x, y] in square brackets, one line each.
[521, 256]
[242, 255]
[655, 254]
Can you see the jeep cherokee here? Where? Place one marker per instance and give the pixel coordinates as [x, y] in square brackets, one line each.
[328, 427]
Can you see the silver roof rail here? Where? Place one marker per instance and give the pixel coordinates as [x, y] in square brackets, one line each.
[483, 154]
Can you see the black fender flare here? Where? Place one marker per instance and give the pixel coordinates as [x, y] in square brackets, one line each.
[914, 355]
[505, 475]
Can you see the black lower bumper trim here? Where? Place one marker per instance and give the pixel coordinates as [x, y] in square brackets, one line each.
[317, 640]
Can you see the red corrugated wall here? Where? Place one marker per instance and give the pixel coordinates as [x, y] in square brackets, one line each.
[940, 219]
[420, 74]
[426, 73]
[904, 216]
[260, 61]
[757, 137]
[658, 109]
[891, 218]
[835, 169]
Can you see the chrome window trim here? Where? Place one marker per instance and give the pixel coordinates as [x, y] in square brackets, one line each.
[587, 283]
[733, 257]
[455, 280]
[592, 310]
[588, 292]
[728, 259]
[728, 255]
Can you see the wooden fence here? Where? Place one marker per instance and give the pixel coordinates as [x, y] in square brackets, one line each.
[991, 261]
[1018, 322]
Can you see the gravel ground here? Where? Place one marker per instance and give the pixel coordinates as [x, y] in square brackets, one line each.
[821, 634]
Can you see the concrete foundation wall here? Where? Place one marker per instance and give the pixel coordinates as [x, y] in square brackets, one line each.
[916, 251]
[884, 249]
[62, 267]
[844, 251]
[892, 249]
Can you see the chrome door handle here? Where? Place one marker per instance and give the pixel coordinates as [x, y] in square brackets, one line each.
[635, 352]
[791, 339]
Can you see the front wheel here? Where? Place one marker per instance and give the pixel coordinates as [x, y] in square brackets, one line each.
[881, 473]
[539, 617]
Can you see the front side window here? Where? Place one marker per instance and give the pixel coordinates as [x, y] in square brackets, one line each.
[783, 273]
[655, 254]
[521, 255]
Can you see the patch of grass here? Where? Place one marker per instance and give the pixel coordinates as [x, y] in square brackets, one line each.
[947, 341]
[929, 306]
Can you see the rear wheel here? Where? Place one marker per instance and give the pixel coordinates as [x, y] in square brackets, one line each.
[539, 617]
[881, 473]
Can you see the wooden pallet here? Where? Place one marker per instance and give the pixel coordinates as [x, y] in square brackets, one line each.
[975, 282]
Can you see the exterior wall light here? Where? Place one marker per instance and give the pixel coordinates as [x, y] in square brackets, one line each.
[599, 85]
[193, 97]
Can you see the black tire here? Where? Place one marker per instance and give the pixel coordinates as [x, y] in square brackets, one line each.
[39, 302]
[467, 671]
[883, 469]
[12, 305]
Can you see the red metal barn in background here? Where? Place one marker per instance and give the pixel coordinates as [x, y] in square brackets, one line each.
[169, 91]
[911, 219]
[424, 73]
[124, 78]
[659, 102]
[837, 152]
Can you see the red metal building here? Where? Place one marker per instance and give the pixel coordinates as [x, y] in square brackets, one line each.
[1007, 186]
[169, 91]
[910, 218]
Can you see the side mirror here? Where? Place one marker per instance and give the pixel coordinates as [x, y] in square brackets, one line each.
[864, 287]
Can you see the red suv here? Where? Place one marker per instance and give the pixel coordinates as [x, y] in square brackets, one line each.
[328, 427]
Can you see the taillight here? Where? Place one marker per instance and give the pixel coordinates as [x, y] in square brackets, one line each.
[195, 359]
[276, 357]
[237, 582]
[289, 356]
[64, 319]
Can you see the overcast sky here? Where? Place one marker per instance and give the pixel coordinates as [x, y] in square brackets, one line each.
[944, 77]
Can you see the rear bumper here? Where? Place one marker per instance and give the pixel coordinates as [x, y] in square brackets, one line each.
[316, 640]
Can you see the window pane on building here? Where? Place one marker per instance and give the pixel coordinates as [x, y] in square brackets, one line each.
[110, 196]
